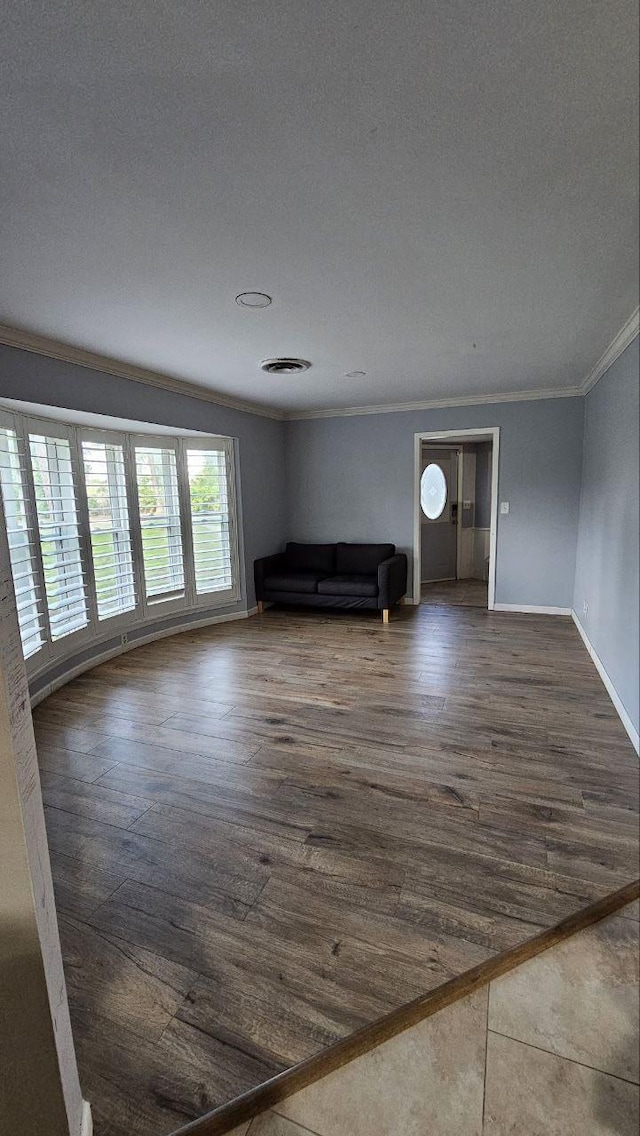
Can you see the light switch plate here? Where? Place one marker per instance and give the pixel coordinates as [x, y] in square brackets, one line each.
[504, 507]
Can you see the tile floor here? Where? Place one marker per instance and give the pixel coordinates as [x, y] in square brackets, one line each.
[550, 1049]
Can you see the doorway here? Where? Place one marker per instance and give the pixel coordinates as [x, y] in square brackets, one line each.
[455, 517]
[439, 477]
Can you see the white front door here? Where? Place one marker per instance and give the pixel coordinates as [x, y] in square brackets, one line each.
[438, 514]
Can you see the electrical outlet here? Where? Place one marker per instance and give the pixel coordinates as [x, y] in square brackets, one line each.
[585, 608]
[504, 508]
[124, 639]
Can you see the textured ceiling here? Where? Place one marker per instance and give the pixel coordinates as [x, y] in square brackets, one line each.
[440, 194]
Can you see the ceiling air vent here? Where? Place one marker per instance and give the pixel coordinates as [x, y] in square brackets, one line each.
[285, 366]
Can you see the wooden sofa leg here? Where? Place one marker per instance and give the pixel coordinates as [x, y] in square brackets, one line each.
[385, 615]
[260, 607]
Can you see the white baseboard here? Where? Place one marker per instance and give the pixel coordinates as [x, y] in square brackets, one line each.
[529, 609]
[610, 688]
[121, 649]
[87, 1120]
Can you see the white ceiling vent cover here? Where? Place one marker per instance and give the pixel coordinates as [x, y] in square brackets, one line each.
[285, 366]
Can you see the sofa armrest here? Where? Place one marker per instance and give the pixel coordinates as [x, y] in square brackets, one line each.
[392, 580]
[263, 568]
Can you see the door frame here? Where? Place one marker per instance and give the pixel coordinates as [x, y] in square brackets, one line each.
[479, 434]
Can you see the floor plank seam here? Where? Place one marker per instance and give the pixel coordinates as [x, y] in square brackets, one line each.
[253, 905]
[131, 827]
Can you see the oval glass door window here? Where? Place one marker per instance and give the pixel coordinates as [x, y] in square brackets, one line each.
[433, 492]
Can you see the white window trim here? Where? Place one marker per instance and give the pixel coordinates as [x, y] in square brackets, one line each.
[115, 622]
[158, 608]
[10, 422]
[145, 612]
[232, 594]
[51, 428]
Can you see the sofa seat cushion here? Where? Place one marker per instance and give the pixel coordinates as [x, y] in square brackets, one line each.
[361, 559]
[288, 580]
[349, 585]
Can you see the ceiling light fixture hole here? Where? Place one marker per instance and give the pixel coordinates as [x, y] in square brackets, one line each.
[254, 300]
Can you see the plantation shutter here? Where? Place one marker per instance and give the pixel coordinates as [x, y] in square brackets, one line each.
[105, 526]
[22, 540]
[208, 476]
[111, 546]
[160, 522]
[60, 546]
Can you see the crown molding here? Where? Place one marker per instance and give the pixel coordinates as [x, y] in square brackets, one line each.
[436, 404]
[625, 336]
[55, 349]
[66, 353]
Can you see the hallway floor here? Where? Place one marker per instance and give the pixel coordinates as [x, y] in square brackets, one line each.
[268, 833]
[458, 593]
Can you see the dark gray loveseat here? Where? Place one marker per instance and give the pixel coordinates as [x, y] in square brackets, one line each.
[333, 575]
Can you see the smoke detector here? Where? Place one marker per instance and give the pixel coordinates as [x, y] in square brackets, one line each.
[285, 366]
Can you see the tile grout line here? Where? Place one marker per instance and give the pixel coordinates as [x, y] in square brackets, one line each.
[561, 1057]
[486, 1060]
[301, 1127]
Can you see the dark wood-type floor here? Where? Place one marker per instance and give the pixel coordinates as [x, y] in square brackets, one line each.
[460, 593]
[267, 833]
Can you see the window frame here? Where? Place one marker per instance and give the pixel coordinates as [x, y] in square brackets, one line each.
[224, 445]
[16, 423]
[104, 631]
[159, 607]
[444, 499]
[52, 428]
[105, 437]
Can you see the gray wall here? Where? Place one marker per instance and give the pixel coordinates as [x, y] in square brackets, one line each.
[483, 485]
[35, 378]
[351, 478]
[607, 558]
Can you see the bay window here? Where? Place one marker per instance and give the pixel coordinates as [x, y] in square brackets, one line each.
[108, 530]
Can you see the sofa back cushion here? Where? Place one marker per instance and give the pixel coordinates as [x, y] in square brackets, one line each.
[362, 559]
[320, 558]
